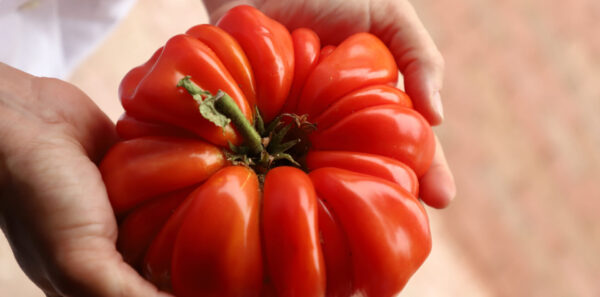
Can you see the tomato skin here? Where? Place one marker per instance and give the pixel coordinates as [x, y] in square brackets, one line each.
[130, 82]
[138, 169]
[157, 262]
[270, 49]
[290, 232]
[388, 130]
[195, 225]
[230, 54]
[326, 51]
[374, 165]
[306, 56]
[141, 226]
[361, 99]
[155, 97]
[129, 127]
[360, 60]
[386, 227]
[217, 251]
[337, 254]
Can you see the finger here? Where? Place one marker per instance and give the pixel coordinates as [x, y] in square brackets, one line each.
[89, 272]
[437, 186]
[419, 60]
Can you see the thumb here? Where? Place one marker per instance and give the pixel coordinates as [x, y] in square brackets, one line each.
[419, 60]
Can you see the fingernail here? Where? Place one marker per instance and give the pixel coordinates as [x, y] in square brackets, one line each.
[436, 103]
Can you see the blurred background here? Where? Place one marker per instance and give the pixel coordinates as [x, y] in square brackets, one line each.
[522, 134]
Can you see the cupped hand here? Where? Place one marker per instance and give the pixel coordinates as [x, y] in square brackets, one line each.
[395, 23]
[54, 208]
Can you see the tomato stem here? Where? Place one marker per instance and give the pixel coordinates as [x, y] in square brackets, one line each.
[221, 109]
[265, 146]
[229, 108]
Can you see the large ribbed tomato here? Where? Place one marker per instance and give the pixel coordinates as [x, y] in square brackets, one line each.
[253, 162]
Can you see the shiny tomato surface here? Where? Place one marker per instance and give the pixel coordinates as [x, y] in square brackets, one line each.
[328, 207]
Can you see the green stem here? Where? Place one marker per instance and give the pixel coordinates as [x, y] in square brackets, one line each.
[225, 105]
[220, 109]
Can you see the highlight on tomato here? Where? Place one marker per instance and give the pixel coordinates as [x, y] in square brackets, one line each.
[257, 162]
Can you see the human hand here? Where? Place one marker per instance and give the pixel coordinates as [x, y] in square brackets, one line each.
[398, 26]
[54, 208]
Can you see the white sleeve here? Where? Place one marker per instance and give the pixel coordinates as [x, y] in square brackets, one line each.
[50, 37]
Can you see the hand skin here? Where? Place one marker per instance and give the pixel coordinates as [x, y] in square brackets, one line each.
[54, 209]
[398, 26]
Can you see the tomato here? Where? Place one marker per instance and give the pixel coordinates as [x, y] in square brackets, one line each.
[337, 253]
[137, 168]
[269, 47]
[154, 96]
[290, 228]
[377, 130]
[253, 162]
[359, 61]
[129, 127]
[136, 232]
[360, 99]
[306, 55]
[386, 228]
[232, 56]
[217, 249]
[326, 50]
[374, 165]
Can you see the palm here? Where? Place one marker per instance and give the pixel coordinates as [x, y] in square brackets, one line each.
[67, 204]
[56, 212]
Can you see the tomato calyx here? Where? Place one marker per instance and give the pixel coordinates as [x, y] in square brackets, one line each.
[283, 141]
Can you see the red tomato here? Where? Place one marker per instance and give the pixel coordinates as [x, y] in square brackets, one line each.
[217, 250]
[231, 54]
[269, 204]
[269, 47]
[361, 60]
[155, 97]
[378, 130]
[326, 50]
[361, 99]
[375, 165]
[386, 227]
[290, 232]
[134, 170]
[306, 55]
[129, 127]
[337, 253]
[136, 232]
